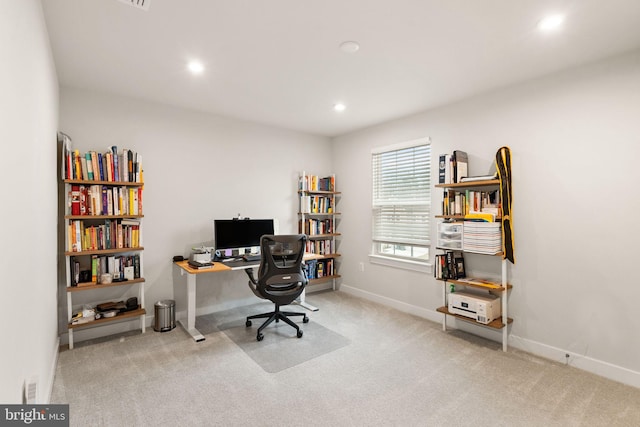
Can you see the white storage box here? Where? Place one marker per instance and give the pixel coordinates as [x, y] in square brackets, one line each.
[450, 235]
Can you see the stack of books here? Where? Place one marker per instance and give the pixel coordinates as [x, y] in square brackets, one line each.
[482, 237]
[200, 265]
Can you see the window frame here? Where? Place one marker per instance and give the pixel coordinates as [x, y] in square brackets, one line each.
[407, 262]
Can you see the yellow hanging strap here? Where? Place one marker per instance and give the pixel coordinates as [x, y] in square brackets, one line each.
[503, 166]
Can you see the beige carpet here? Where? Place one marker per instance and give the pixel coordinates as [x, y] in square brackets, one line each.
[396, 370]
[281, 348]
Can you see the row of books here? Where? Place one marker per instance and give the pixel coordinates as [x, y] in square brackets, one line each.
[315, 269]
[316, 204]
[464, 202]
[449, 265]
[453, 167]
[321, 247]
[313, 227]
[125, 267]
[316, 183]
[112, 166]
[113, 234]
[105, 200]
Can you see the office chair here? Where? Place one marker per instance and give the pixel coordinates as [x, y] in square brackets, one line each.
[281, 278]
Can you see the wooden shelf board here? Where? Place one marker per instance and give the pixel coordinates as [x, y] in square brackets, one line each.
[104, 251]
[120, 316]
[496, 324]
[319, 213]
[470, 184]
[308, 256]
[90, 217]
[322, 236]
[113, 183]
[461, 217]
[476, 285]
[324, 279]
[319, 192]
[91, 286]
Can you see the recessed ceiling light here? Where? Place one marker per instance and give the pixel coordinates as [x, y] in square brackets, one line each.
[339, 107]
[349, 46]
[195, 67]
[551, 23]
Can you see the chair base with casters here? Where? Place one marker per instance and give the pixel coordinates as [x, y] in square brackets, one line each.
[277, 315]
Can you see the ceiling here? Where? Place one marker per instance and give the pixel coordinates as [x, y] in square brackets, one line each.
[278, 62]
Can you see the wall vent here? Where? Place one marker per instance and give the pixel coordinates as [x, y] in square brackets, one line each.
[138, 4]
[30, 392]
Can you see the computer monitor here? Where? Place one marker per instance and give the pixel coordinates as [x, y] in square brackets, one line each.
[233, 237]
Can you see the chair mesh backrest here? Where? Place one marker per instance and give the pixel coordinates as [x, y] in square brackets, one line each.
[281, 273]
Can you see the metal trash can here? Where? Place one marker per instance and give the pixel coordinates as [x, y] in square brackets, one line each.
[165, 315]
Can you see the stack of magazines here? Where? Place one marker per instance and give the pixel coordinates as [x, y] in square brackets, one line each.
[482, 237]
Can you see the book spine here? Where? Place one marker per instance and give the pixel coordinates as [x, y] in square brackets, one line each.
[75, 200]
[100, 166]
[109, 194]
[122, 165]
[105, 204]
[94, 269]
[107, 163]
[87, 157]
[130, 165]
[83, 167]
[116, 169]
[112, 167]
[138, 168]
[94, 165]
[69, 165]
[77, 164]
[136, 266]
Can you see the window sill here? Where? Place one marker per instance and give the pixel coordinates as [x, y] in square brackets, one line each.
[405, 264]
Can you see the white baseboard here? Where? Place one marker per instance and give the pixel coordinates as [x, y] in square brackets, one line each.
[585, 363]
[399, 305]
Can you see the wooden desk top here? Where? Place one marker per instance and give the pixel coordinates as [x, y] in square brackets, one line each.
[217, 267]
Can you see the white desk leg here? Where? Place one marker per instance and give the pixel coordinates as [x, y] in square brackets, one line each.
[301, 301]
[191, 309]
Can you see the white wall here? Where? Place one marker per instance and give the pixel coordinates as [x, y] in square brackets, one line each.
[197, 167]
[28, 120]
[575, 140]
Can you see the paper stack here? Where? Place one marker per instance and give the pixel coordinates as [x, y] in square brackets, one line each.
[482, 237]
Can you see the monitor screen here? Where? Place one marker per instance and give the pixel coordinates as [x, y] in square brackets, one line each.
[230, 234]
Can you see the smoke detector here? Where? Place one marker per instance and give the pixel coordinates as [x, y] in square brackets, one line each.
[138, 4]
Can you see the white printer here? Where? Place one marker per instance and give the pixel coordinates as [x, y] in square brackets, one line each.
[481, 308]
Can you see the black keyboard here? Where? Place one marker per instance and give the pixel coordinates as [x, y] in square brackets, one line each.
[251, 257]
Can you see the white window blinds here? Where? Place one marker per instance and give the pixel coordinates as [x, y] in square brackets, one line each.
[401, 196]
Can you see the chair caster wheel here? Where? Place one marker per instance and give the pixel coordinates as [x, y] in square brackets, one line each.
[305, 319]
[259, 337]
[299, 334]
[248, 323]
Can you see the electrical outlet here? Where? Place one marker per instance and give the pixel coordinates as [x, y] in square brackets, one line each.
[362, 266]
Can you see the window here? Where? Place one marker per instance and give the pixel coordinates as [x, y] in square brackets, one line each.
[402, 201]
